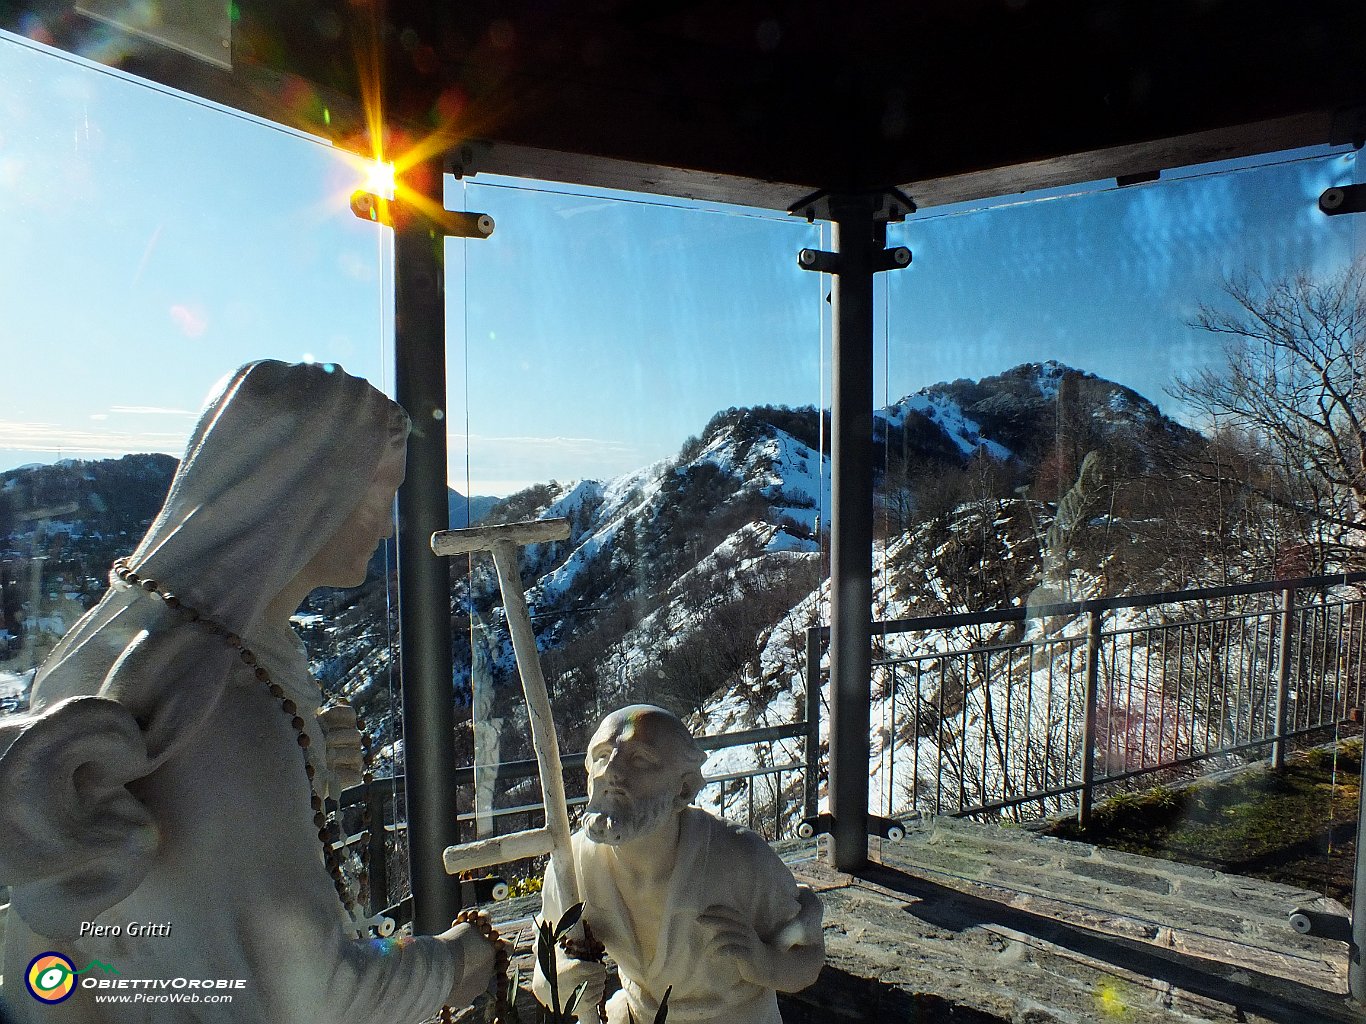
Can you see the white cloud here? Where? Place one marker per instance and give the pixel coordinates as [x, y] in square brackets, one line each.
[502, 465]
[191, 320]
[51, 437]
[148, 410]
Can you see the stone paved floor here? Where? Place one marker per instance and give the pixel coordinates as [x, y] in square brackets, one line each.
[976, 924]
[1024, 928]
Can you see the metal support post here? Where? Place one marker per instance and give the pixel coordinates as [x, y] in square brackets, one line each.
[1356, 969]
[424, 578]
[860, 234]
[851, 557]
[378, 854]
[1283, 679]
[1088, 729]
[813, 722]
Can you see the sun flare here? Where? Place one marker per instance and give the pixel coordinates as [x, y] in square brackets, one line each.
[397, 167]
[379, 178]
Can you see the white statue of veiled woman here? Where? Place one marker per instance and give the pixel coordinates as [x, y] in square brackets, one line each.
[157, 780]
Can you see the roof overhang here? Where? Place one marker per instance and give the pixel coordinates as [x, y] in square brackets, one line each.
[760, 105]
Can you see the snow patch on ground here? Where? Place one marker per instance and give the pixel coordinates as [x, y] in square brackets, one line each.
[1051, 374]
[555, 584]
[782, 541]
[16, 684]
[575, 497]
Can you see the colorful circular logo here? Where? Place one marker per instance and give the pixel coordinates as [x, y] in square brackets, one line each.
[51, 977]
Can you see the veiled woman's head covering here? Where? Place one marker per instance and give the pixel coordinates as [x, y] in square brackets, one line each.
[280, 457]
[277, 462]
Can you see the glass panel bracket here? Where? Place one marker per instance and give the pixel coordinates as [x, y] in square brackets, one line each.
[887, 205]
[1343, 199]
[891, 829]
[403, 216]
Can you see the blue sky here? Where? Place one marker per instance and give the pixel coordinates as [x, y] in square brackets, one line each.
[152, 243]
[1108, 280]
[150, 246]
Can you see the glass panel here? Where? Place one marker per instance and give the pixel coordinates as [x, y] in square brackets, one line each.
[651, 372]
[154, 243]
[1115, 393]
[201, 28]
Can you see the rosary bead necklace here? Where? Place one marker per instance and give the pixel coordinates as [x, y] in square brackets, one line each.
[477, 919]
[287, 706]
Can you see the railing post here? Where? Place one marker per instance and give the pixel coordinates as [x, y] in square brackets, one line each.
[1356, 968]
[1088, 728]
[1283, 679]
[378, 857]
[813, 722]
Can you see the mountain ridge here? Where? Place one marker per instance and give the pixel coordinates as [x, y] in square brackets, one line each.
[690, 582]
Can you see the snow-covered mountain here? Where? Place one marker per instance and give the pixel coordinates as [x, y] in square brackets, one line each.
[691, 582]
[669, 572]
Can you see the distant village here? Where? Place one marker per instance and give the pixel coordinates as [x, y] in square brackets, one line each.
[61, 526]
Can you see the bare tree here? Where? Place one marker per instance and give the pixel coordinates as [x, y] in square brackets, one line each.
[1293, 384]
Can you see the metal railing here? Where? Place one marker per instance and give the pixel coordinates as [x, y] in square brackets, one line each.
[371, 817]
[1097, 693]
[1028, 726]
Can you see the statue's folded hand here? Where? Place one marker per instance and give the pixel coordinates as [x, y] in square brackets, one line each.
[475, 956]
[788, 963]
[342, 747]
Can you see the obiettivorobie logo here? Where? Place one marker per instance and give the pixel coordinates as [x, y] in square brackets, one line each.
[51, 977]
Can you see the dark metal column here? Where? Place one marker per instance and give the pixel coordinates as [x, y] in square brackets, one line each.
[860, 222]
[851, 525]
[424, 579]
[1356, 969]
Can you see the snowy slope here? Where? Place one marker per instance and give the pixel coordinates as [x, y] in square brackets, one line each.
[692, 581]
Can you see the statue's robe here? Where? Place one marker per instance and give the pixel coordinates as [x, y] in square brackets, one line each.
[158, 782]
[717, 863]
[216, 840]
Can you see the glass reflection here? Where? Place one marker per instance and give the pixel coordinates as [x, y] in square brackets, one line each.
[153, 244]
[651, 372]
[1122, 394]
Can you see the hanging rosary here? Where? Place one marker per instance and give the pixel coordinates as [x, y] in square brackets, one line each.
[359, 925]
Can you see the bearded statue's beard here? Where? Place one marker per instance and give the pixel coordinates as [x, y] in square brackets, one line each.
[615, 819]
